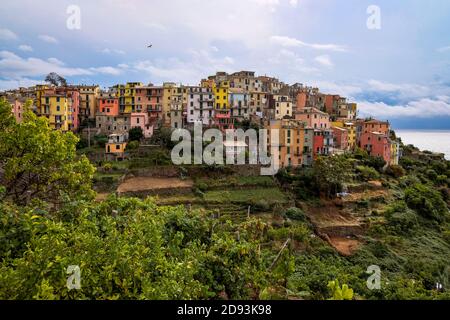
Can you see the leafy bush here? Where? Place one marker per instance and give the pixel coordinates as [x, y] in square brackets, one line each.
[127, 249]
[133, 145]
[401, 217]
[396, 171]
[296, 214]
[427, 202]
[135, 134]
[101, 140]
[367, 173]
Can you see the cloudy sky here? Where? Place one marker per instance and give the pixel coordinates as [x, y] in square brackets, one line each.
[399, 72]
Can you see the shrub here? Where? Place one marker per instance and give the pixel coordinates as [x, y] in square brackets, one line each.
[135, 134]
[295, 214]
[133, 145]
[261, 205]
[202, 186]
[375, 162]
[426, 201]
[396, 171]
[432, 175]
[101, 140]
[367, 173]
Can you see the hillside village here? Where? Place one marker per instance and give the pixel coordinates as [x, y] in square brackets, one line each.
[311, 123]
[348, 195]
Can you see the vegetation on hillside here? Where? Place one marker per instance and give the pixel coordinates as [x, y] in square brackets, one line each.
[130, 248]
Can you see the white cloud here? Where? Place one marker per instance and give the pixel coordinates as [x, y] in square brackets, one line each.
[25, 48]
[293, 3]
[444, 49]
[403, 90]
[14, 84]
[196, 66]
[48, 39]
[345, 90]
[324, 60]
[422, 108]
[13, 67]
[155, 26]
[293, 42]
[109, 51]
[6, 34]
[107, 70]
[55, 61]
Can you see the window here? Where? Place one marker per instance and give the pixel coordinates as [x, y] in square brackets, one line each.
[58, 108]
[117, 146]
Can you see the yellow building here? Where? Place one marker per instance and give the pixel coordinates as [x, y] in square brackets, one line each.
[395, 153]
[40, 91]
[221, 92]
[58, 109]
[116, 145]
[127, 96]
[351, 129]
[170, 100]
[295, 142]
[88, 100]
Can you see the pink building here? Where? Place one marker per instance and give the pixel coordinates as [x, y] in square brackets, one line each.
[340, 138]
[314, 118]
[149, 99]
[223, 120]
[377, 145]
[140, 119]
[17, 108]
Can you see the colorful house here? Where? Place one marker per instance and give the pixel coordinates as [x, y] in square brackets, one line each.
[323, 143]
[116, 146]
[200, 106]
[282, 104]
[376, 144]
[61, 107]
[88, 100]
[340, 138]
[351, 130]
[314, 118]
[221, 95]
[239, 103]
[108, 106]
[295, 142]
[141, 120]
[17, 107]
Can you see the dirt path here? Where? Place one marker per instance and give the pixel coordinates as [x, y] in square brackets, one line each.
[337, 226]
[345, 246]
[149, 183]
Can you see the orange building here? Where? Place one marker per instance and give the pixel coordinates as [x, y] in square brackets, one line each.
[108, 106]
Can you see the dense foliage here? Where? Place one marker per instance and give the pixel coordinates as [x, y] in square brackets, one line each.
[129, 249]
[37, 162]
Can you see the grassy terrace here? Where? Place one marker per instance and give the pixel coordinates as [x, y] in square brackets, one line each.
[271, 195]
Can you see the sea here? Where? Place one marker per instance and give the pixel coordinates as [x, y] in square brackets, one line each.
[430, 140]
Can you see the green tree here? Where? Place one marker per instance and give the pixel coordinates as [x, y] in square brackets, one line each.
[427, 202]
[39, 162]
[331, 173]
[135, 134]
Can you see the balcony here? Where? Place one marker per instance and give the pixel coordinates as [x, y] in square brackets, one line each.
[222, 115]
[154, 109]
